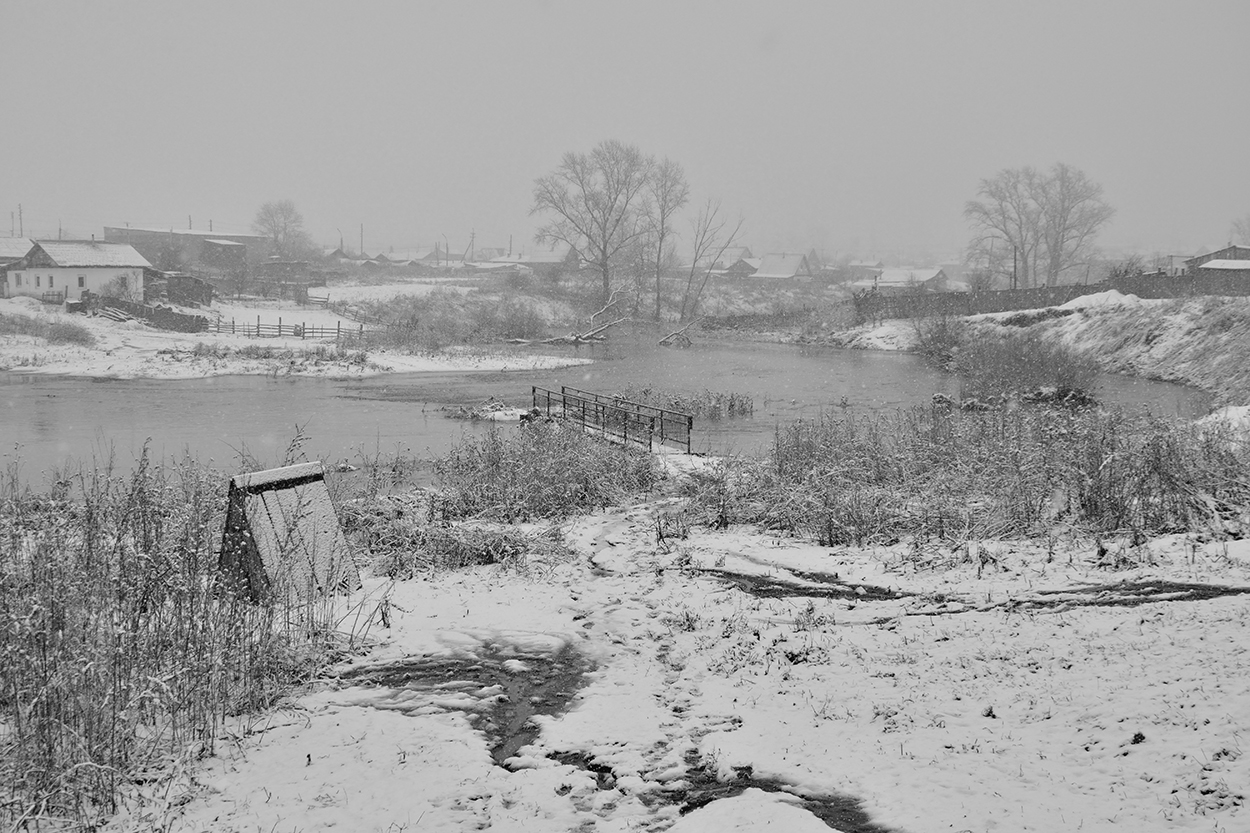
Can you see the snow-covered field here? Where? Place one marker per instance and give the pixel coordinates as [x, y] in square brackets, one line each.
[132, 349]
[996, 686]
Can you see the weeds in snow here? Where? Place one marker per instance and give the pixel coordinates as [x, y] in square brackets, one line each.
[55, 332]
[120, 646]
[931, 473]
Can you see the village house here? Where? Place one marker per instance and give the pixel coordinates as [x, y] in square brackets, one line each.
[12, 250]
[902, 281]
[207, 253]
[744, 267]
[783, 266]
[68, 268]
[544, 262]
[1230, 252]
[720, 262]
[1237, 272]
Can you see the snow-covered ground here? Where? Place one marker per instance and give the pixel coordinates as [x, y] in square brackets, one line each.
[132, 349]
[996, 686]
[1204, 342]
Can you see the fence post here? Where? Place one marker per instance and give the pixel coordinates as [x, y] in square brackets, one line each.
[279, 326]
[303, 328]
[258, 326]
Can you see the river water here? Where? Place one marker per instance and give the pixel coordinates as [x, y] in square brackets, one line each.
[48, 422]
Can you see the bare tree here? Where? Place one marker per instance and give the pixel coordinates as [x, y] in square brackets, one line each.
[1006, 215]
[595, 201]
[710, 240]
[1072, 211]
[1241, 231]
[668, 192]
[1046, 221]
[282, 223]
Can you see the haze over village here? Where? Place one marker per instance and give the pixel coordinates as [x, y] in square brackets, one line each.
[624, 418]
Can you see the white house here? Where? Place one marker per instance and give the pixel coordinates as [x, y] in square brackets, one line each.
[71, 267]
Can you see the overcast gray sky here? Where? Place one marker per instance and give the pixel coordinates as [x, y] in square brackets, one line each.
[845, 126]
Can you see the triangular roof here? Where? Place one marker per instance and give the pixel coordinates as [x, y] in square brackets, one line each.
[74, 253]
[775, 265]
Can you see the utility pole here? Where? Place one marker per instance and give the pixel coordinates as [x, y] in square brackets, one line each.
[12, 224]
[210, 226]
[21, 229]
[1013, 267]
[188, 222]
[362, 239]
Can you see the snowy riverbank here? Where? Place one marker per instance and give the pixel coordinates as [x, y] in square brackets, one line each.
[994, 686]
[1202, 342]
[134, 350]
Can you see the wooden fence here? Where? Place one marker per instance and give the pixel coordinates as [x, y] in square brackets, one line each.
[615, 418]
[341, 333]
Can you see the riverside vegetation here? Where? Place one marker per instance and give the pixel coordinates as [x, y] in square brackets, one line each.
[123, 655]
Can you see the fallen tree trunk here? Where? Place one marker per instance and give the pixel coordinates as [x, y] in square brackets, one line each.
[679, 337]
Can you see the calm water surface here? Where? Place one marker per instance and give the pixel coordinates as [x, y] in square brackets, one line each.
[46, 422]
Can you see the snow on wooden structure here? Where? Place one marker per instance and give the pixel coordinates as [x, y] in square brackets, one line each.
[282, 537]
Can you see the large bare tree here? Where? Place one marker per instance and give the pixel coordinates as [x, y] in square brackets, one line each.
[667, 192]
[1046, 221]
[595, 204]
[1073, 211]
[281, 222]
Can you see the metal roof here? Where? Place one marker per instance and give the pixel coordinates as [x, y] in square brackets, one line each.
[1225, 264]
[14, 248]
[71, 253]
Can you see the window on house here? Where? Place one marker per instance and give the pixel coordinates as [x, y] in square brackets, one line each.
[82, 281]
[38, 280]
[124, 282]
[50, 280]
[17, 280]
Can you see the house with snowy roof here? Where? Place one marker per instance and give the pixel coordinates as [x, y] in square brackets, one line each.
[783, 266]
[1229, 252]
[561, 258]
[903, 281]
[12, 250]
[69, 268]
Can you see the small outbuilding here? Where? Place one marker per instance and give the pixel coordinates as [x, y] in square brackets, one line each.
[282, 537]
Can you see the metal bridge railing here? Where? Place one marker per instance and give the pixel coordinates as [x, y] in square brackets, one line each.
[616, 418]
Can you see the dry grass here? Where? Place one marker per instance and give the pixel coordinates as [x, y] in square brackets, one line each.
[705, 404]
[56, 332]
[952, 475]
[121, 649]
[542, 470]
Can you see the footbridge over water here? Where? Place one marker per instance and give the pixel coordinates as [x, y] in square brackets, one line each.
[615, 418]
